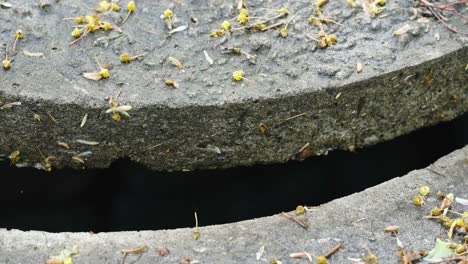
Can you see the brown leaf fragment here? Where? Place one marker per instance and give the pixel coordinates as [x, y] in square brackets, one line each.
[447, 201]
[176, 62]
[186, 260]
[427, 79]
[63, 145]
[163, 252]
[305, 152]
[78, 159]
[171, 83]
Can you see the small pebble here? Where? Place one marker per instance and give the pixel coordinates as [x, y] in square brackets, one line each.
[359, 67]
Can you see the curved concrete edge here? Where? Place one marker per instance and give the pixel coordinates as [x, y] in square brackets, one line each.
[199, 137]
[357, 219]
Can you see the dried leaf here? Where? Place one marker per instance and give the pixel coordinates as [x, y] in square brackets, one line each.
[392, 229]
[462, 201]
[78, 159]
[33, 54]
[10, 105]
[63, 145]
[119, 109]
[301, 255]
[172, 83]
[95, 76]
[402, 30]
[447, 201]
[423, 20]
[260, 252]
[65, 256]
[176, 62]
[83, 121]
[87, 142]
[6, 5]
[208, 58]
[178, 29]
[135, 251]
[305, 152]
[440, 252]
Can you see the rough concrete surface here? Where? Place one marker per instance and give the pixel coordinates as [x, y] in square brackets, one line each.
[210, 121]
[358, 219]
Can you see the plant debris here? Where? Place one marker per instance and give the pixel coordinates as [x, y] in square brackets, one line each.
[117, 109]
[163, 252]
[133, 251]
[295, 219]
[33, 54]
[84, 120]
[131, 7]
[96, 76]
[196, 230]
[440, 251]
[9, 105]
[176, 62]
[371, 258]
[65, 256]
[208, 58]
[6, 63]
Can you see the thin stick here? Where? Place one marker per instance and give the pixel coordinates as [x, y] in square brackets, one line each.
[125, 20]
[155, 146]
[273, 26]
[53, 118]
[296, 116]
[40, 152]
[6, 52]
[85, 32]
[14, 44]
[294, 219]
[259, 22]
[334, 249]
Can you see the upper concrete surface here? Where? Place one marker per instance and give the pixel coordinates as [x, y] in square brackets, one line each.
[358, 220]
[210, 121]
[284, 66]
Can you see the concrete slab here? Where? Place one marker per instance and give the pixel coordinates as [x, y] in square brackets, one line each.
[358, 219]
[302, 94]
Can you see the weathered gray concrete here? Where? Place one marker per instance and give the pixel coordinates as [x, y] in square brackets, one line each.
[211, 121]
[358, 219]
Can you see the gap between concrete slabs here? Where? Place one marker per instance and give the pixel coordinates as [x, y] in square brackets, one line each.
[358, 219]
[211, 121]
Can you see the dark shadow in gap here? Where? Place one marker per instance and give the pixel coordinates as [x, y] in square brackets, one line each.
[127, 196]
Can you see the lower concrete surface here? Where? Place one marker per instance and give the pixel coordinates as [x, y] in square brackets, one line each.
[358, 219]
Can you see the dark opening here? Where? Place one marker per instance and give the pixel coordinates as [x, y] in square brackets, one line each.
[129, 197]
